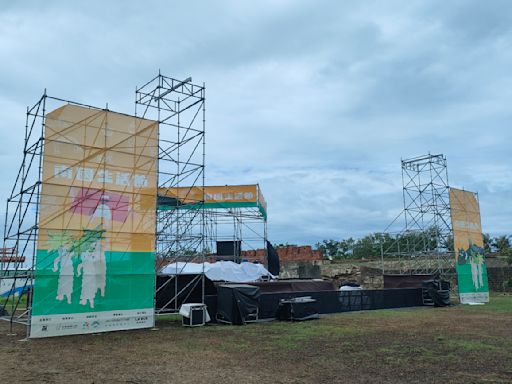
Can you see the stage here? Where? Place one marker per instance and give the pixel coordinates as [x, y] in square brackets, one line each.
[328, 299]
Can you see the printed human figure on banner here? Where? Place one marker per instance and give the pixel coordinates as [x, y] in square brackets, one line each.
[104, 212]
[86, 270]
[92, 268]
[62, 243]
[100, 268]
[474, 256]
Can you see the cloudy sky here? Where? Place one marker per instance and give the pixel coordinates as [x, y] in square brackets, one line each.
[317, 101]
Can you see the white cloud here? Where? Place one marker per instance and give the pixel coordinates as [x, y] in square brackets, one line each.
[317, 101]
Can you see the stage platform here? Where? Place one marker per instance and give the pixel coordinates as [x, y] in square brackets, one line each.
[328, 299]
[293, 285]
[335, 301]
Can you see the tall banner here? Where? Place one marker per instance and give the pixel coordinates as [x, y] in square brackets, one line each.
[469, 247]
[95, 260]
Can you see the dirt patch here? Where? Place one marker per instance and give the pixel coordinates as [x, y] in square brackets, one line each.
[456, 345]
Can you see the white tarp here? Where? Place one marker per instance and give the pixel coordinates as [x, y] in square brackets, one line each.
[220, 271]
[7, 289]
[181, 268]
[349, 288]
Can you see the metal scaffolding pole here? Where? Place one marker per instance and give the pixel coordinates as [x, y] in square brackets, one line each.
[179, 107]
[21, 229]
[424, 245]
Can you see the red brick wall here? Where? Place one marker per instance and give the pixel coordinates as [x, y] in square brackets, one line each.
[254, 255]
[286, 254]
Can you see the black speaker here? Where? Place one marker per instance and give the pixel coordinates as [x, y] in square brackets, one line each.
[229, 250]
[272, 260]
[197, 316]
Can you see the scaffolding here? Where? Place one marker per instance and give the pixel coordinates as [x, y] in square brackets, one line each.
[179, 107]
[187, 233]
[22, 227]
[246, 226]
[425, 244]
[20, 224]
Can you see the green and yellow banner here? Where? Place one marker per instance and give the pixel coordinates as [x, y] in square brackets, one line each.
[469, 247]
[225, 196]
[95, 262]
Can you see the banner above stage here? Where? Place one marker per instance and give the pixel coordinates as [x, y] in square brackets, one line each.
[468, 244]
[95, 258]
[226, 196]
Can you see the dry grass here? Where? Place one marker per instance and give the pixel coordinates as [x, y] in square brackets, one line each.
[454, 345]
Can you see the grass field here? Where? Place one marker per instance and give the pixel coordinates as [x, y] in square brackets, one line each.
[12, 301]
[460, 344]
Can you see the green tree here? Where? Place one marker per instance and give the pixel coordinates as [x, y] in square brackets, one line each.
[501, 243]
[508, 254]
[448, 243]
[346, 247]
[487, 242]
[330, 248]
[367, 247]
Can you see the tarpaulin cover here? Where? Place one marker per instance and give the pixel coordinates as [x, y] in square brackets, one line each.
[439, 292]
[344, 301]
[13, 287]
[220, 271]
[405, 281]
[441, 298]
[181, 268]
[237, 303]
[294, 285]
[174, 290]
[349, 288]
[335, 301]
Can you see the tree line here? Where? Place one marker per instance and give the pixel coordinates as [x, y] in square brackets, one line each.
[373, 245]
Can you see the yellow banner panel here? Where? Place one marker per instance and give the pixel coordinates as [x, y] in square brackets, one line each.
[214, 194]
[465, 213]
[95, 262]
[469, 247]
